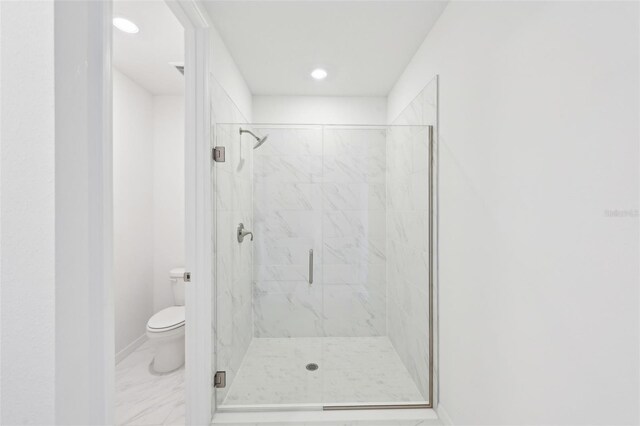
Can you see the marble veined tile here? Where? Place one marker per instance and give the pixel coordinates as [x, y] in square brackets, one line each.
[291, 224]
[353, 169]
[287, 196]
[145, 399]
[351, 370]
[293, 309]
[407, 254]
[353, 223]
[288, 168]
[354, 196]
[354, 142]
[351, 311]
[290, 141]
[273, 372]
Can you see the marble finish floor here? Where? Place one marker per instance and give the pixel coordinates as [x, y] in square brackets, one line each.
[146, 399]
[352, 370]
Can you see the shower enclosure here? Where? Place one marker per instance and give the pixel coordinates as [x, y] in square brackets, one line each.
[327, 303]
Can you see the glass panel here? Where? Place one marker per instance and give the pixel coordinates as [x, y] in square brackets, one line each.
[233, 260]
[288, 321]
[373, 333]
[408, 251]
[288, 208]
[353, 227]
[359, 198]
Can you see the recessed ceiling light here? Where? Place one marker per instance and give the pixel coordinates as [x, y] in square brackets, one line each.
[125, 25]
[319, 74]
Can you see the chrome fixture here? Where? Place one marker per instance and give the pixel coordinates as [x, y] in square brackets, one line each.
[311, 266]
[243, 233]
[260, 140]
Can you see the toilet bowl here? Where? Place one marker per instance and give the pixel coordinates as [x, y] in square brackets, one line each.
[165, 329]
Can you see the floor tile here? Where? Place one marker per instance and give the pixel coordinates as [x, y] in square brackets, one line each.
[146, 399]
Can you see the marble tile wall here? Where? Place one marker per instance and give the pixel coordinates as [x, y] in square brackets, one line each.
[320, 188]
[288, 213]
[423, 109]
[407, 236]
[232, 266]
[353, 227]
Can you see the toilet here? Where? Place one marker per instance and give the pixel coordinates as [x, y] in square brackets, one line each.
[165, 329]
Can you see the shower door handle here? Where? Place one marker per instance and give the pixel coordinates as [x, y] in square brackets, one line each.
[311, 266]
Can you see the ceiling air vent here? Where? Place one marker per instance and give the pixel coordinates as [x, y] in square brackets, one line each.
[179, 66]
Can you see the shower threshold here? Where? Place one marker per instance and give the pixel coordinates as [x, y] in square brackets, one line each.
[409, 417]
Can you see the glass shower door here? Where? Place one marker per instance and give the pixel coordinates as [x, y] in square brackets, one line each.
[268, 294]
[233, 207]
[288, 304]
[328, 305]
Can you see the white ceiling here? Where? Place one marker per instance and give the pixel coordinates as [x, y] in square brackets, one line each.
[363, 45]
[145, 56]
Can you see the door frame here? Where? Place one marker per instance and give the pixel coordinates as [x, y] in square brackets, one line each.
[198, 227]
[198, 224]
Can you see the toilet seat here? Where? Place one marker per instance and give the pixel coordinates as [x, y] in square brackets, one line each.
[167, 319]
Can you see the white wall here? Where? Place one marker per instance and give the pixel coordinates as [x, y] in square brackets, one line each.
[27, 202]
[56, 359]
[227, 74]
[538, 139]
[168, 195]
[84, 359]
[319, 110]
[148, 204]
[133, 207]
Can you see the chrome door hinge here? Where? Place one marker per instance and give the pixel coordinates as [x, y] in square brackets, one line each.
[186, 277]
[220, 379]
[218, 154]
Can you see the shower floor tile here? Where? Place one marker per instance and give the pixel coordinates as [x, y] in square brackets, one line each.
[356, 370]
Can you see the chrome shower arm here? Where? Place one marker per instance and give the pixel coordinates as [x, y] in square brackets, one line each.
[258, 138]
[248, 131]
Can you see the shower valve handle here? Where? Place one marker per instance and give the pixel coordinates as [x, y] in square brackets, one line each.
[242, 232]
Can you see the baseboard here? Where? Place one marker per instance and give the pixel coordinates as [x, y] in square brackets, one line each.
[443, 415]
[130, 348]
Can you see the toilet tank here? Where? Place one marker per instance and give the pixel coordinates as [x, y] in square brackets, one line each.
[176, 276]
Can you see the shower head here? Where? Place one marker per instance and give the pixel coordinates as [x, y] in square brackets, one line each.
[260, 140]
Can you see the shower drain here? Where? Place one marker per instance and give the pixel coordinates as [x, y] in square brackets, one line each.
[312, 367]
